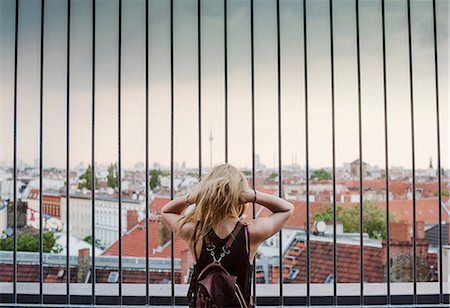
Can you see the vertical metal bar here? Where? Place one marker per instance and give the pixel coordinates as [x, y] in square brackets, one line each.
[411, 93]
[41, 124]
[386, 158]
[308, 248]
[333, 141]
[172, 298]
[199, 61]
[225, 39]
[147, 291]
[68, 157]
[252, 68]
[93, 274]
[361, 191]
[438, 140]
[119, 167]
[16, 39]
[280, 244]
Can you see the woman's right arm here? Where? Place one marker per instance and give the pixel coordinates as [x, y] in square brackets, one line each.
[263, 228]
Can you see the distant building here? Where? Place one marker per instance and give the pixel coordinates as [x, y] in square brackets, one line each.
[3, 215]
[355, 166]
[106, 216]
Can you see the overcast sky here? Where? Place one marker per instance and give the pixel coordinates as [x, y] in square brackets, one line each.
[212, 73]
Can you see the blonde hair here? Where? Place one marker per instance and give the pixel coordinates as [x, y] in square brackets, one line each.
[218, 197]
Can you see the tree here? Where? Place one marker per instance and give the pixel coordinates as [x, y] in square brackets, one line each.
[324, 214]
[30, 242]
[273, 176]
[86, 179]
[374, 218]
[321, 174]
[88, 239]
[113, 176]
[444, 193]
[155, 178]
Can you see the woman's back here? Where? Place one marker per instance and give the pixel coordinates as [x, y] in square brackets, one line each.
[237, 263]
[224, 193]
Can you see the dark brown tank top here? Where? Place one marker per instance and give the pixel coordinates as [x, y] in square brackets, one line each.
[236, 263]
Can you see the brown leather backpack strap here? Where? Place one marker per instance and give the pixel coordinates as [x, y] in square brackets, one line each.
[195, 241]
[233, 235]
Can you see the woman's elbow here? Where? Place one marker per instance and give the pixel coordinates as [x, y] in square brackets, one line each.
[164, 216]
[290, 207]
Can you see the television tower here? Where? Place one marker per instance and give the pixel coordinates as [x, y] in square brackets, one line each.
[210, 149]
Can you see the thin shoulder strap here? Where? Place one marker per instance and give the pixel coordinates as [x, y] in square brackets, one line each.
[230, 240]
[195, 249]
[247, 237]
[234, 235]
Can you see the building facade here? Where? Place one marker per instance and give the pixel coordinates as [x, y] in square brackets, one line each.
[106, 216]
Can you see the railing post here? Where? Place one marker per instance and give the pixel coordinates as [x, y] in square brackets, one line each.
[16, 40]
[413, 154]
[333, 145]
[119, 166]
[438, 141]
[308, 248]
[93, 273]
[41, 124]
[172, 275]
[68, 157]
[147, 299]
[386, 156]
[225, 43]
[361, 188]
[252, 68]
[280, 184]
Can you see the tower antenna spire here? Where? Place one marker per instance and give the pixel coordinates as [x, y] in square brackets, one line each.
[210, 149]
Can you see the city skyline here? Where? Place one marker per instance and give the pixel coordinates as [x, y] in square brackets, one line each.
[185, 86]
[182, 165]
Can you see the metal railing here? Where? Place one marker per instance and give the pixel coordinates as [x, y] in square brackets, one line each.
[282, 300]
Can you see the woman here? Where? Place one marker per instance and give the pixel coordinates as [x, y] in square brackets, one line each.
[220, 199]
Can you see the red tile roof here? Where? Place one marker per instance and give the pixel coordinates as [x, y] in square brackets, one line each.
[427, 210]
[321, 265]
[397, 187]
[157, 203]
[133, 243]
[347, 258]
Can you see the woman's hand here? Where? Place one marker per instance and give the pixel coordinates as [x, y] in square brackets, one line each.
[247, 195]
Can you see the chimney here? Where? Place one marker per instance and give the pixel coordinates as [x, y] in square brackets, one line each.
[21, 217]
[83, 265]
[421, 241]
[420, 230]
[400, 232]
[132, 219]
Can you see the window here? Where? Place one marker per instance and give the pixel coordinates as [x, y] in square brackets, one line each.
[329, 279]
[113, 277]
